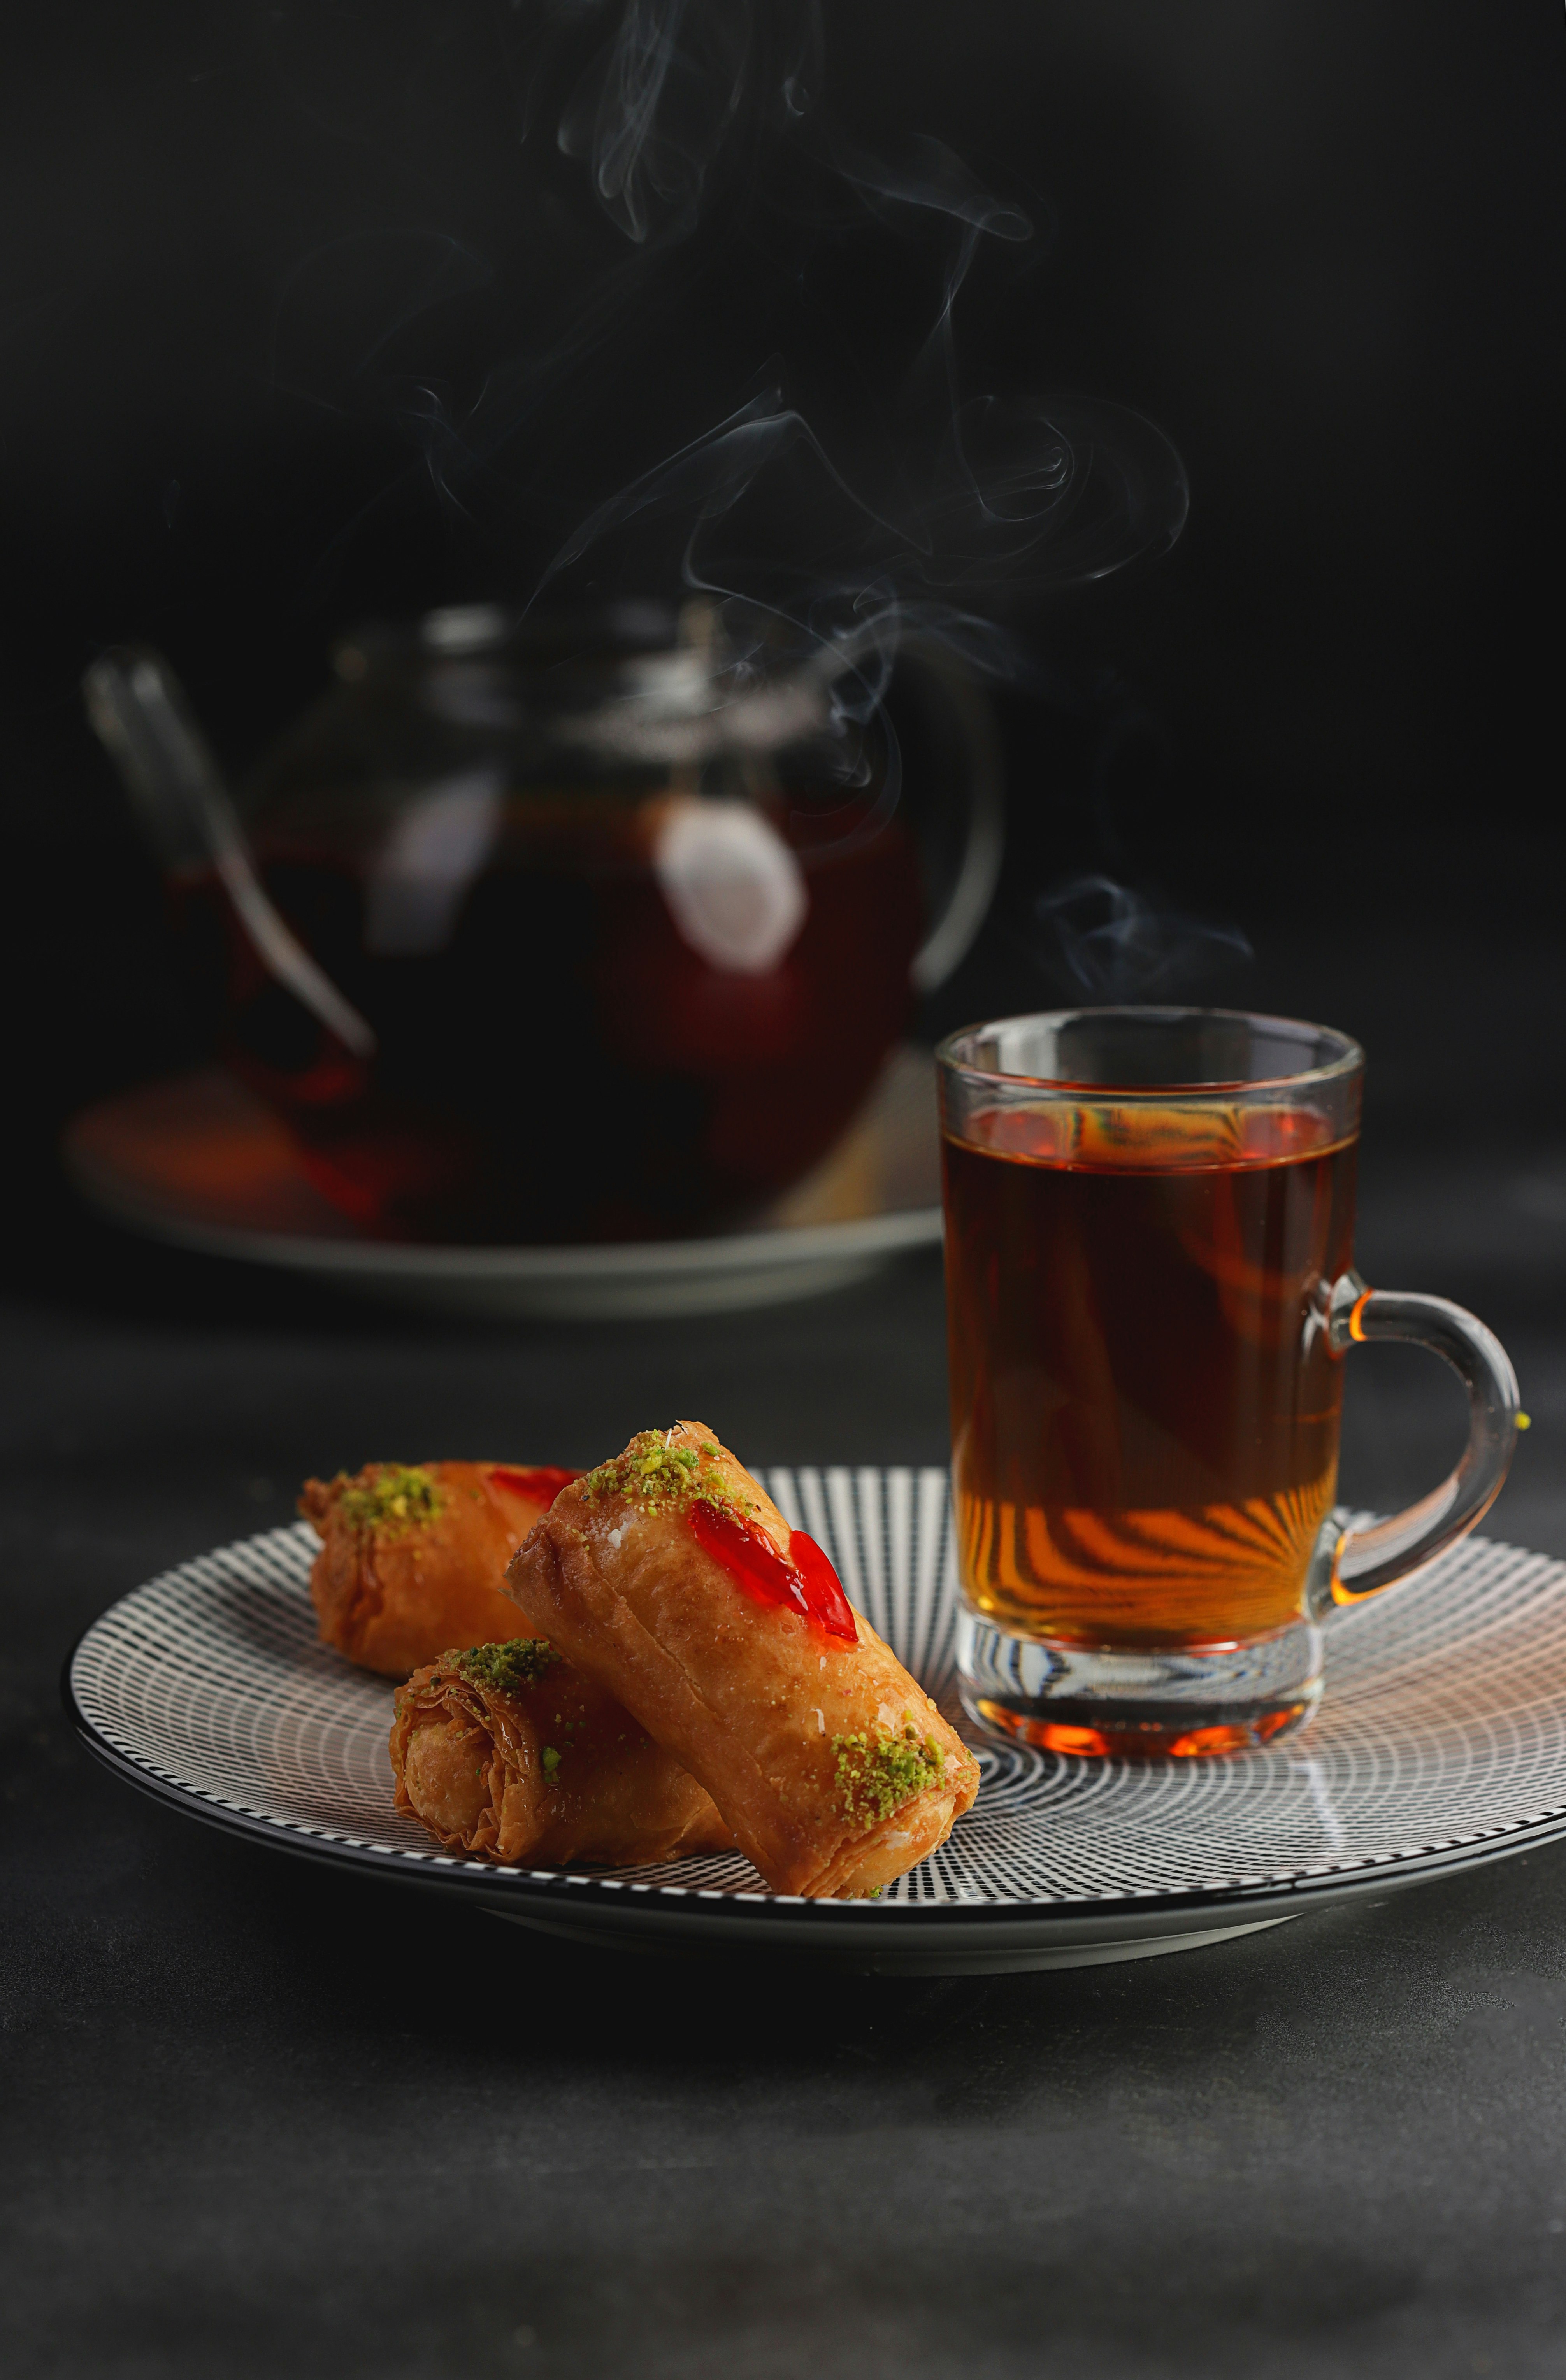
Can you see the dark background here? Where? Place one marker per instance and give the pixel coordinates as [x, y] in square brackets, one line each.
[255, 264]
[275, 282]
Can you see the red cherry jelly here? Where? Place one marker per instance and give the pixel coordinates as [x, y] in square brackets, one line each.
[539, 1487]
[803, 1580]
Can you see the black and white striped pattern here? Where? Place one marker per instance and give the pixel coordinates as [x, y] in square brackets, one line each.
[1442, 1735]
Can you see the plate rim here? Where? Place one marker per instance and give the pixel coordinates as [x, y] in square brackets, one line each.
[899, 1228]
[888, 1231]
[686, 1904]
[707, 1908]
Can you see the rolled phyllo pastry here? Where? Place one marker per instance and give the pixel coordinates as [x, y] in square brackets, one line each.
[506, 1753]
[670, 1577]
[413, 1556]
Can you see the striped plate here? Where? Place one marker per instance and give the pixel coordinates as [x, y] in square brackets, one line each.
[1441, 1742]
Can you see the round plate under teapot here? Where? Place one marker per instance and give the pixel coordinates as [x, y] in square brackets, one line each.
[201, 1163]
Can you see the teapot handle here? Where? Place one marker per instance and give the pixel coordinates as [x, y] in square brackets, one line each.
[138, 707]
[951, 936]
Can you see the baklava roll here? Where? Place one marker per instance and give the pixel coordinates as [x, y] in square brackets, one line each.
[413, 1556]
[670, 1577]
[506, 1753]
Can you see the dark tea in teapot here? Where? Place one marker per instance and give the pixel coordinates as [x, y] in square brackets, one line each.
[556, 1059]
[630, 927]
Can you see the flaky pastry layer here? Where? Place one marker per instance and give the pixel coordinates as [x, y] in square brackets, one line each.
[545, 1773]
[833, 1765]
[395, 1591]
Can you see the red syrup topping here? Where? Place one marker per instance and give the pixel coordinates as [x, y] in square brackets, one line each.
[541, 1487]
[802, 1580]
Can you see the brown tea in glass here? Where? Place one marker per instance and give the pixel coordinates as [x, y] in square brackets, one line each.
[1142, 1459]
[1150, 1289]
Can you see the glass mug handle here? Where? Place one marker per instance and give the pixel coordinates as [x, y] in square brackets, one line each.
[1350, 1564]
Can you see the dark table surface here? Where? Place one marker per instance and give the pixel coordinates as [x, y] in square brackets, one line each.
[261, 2119]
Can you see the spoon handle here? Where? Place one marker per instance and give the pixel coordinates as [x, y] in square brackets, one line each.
[138, 710]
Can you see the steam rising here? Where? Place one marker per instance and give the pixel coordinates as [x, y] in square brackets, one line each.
[1112, 945]
[980, 498]
[650, 115]
[676, 158]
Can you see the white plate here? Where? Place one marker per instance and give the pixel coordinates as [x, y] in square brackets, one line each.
[1441, 1742]
[200, 1162]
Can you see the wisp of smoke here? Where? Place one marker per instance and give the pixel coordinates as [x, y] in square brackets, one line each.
[1111, 944]
[979, 500]
[683, 121]
[651, 112]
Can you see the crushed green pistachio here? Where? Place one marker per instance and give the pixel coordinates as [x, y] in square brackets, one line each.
[506, 1669]
[399, 1496]
[663, 1477]
[551, 1760]
[879, 1775]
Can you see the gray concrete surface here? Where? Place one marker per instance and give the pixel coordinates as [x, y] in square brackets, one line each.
[259, 2120]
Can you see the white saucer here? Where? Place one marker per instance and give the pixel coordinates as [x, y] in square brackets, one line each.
[199, 1162]
[1441, 1743]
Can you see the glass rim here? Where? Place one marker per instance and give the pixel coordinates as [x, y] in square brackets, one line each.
[1349, 1060]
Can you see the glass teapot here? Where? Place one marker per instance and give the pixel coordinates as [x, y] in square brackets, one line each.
[568, 929]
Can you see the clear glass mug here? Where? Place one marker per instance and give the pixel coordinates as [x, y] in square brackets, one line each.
[1150, 1291]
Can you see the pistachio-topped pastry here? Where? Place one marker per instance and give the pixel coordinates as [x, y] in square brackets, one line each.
[389, 1496]
[879, 1773]
[504, 1752]
[670, 1576]
[664, 1476]
[413, 1555]
[505, 1668]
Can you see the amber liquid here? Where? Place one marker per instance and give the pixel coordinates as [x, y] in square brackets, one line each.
[1145, 1409]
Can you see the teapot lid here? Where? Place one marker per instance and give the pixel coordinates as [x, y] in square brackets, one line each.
[630, 682]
